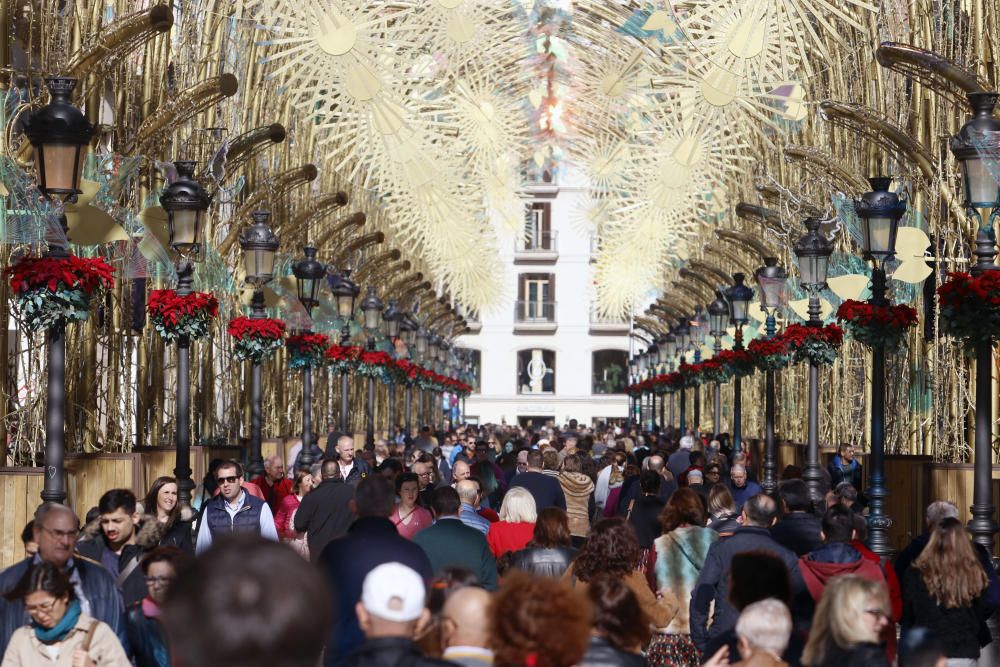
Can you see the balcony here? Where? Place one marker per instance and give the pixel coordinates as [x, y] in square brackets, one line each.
[601, 324]
[535, 317]
[536, 249]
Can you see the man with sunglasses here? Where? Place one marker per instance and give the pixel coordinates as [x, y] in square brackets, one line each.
[233, 511]
[56, 528]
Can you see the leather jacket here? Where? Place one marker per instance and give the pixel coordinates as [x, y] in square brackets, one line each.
[543, 562]
[391, 652]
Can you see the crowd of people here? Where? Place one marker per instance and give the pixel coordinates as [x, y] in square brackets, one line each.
[501, 546]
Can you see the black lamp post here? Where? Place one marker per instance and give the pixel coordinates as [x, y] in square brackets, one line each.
[652, 363]
[771, 280]
[739, 296]
[813, 251]
[880, 211]
[259, 244]
[371, 309]
[185, 202]
[683, 334]
[718, 316]
[981, 192]
[422, 343]
[345, 292]
[58, 132]
[699, 332]
[393, 318]
[408, 331]
[668, 347]
[633, 372]
[444, 360]
[309, 274]
[664, 353]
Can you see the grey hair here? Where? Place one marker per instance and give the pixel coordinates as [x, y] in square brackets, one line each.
[48, 508]
[766, 625]
[653, 462]
[467, 491]
[737, 468]
[939, 510]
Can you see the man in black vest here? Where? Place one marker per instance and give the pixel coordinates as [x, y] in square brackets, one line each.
[233, 510]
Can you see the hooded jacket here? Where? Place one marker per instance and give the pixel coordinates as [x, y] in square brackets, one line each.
[833, 560]
[578, 489]
[148, 535]
[680, 555]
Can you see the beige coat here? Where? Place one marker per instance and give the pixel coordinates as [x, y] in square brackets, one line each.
[24, 649]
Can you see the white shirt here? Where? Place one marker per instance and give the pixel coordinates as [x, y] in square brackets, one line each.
[346, 470]
[267, 529]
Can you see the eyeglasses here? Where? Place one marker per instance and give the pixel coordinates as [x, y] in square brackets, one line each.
[227, 480]
[158, 581]
[424, 474]
[44, 608]
[61, 534]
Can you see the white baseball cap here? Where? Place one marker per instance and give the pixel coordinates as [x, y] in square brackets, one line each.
[394, 592]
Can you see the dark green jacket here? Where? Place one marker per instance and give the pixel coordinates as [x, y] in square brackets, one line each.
[451, 542]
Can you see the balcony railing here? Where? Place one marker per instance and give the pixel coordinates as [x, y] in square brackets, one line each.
[607, 324]
[540, 243]
[535, 312]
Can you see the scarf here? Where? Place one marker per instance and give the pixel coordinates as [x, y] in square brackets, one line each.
[61, 629]
[149, 608]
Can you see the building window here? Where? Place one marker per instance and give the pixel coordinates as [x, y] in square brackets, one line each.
[536, 298]
[536, 372]
[538, 235]
[476, 368]
[609, 372]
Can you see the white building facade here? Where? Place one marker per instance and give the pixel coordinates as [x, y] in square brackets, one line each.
[543, 354]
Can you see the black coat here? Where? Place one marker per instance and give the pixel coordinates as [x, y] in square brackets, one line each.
[391, 652]
[862, 655]
[645, 518]
[713, 585]
[325, 514]
[798, 531]
[370, 542]
[543, 562]
[545, 489]
[600, 653]
[145, 635]
[957, 629]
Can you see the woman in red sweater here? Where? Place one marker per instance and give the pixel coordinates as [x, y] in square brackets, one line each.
[516, 526]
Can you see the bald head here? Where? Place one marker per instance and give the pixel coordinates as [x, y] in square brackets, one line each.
[464, 619]
[467, 491]
[653, 462]
[461, 471]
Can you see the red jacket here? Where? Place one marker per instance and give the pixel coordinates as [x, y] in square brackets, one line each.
[506, 536]
[833, 560]
[273, 495]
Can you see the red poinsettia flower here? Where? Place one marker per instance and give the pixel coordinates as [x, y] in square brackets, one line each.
[76, 273]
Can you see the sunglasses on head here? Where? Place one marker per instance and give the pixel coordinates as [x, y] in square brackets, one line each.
[227, 480]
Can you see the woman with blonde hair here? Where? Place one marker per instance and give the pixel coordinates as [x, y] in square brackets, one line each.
[944, 592]
[517, 522]
[849, 619]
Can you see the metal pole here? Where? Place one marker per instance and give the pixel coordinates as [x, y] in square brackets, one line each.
[370, 416]
[717, 398]
[982, 525]
[306, 458]
[878, 522]
[391, 431]
[683, 412]
[255, 460]
[812, 474]
[408, 410]
[738, 395]
[54, 489]
[182, 435]
[671, 415]
[770, 482]
[663, 400]
[345, 387]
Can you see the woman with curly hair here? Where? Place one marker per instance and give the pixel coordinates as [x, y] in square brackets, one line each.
[849, 619]
[538, 622]
[680, 554]
[613, 549]
[944, 592]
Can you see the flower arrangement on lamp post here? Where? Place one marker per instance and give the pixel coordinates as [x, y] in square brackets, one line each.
[175, 315]
[306, 350]
[970, 307]
[48, 290]
[256, 339]
[817, 345]
[874, 326]
[769, 354]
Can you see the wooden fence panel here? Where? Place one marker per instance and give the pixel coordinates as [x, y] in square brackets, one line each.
[954, 482]
[88, 476]
[20, 495]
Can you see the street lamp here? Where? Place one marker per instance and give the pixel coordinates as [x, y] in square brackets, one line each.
[813, 252]
[371, 309]
[668, 350]
[739, 297]
[633, 372]
[683, 334]
[393, 319]
[308, 274]
[58, 132]
[981, 192]
[422, 343]
[880, 211]
[699, 332]
[718, 316]
[345, 293]
[408, 332]
[185, 202]
[772, 281]
[259, 244]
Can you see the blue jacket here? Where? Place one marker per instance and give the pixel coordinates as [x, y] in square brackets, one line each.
[98, 587]
[346, 561]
